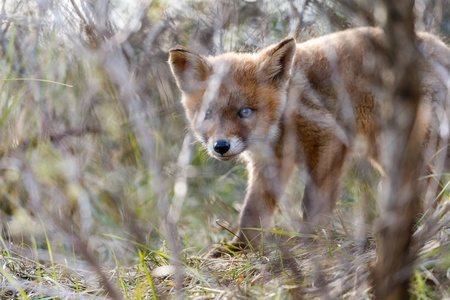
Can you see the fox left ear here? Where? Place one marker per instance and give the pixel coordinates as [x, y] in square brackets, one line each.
[277, 61]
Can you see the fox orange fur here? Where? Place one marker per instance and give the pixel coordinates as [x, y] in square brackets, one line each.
[303, 103]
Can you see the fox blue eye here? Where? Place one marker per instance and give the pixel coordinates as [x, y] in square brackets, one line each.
[208, 114]
[245, 112]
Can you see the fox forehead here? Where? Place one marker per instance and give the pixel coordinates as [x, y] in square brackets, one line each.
[238, 81]
[244, 63]
[235, 71]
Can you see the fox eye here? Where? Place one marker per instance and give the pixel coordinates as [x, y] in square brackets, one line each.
[208, 114]
[245, 112]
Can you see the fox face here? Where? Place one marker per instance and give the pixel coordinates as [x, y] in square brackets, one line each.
[234, 102]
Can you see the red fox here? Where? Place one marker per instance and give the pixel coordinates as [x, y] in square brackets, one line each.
[303, 103]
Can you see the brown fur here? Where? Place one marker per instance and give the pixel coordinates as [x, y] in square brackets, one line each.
[310, 102]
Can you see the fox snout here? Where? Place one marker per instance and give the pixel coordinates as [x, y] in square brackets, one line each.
[221, 146]
[225, 148]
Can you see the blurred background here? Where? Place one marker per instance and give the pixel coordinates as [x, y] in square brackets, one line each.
[101, 182]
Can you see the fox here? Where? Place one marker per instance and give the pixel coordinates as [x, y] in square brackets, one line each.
[304, 104]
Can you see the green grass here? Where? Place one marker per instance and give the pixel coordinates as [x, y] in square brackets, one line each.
[95, 159]
[341, 262]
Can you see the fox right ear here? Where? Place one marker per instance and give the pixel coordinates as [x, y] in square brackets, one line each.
[277, 61]
[190, 70]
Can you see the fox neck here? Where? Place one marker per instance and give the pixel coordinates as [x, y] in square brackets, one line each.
[262, 152]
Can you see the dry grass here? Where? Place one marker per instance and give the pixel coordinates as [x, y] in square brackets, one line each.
[334, 266]
[102, 191]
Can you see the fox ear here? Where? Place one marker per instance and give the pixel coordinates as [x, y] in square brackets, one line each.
[277, 61]
[190, 69]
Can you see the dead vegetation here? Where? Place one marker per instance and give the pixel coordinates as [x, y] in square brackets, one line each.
[104, 195]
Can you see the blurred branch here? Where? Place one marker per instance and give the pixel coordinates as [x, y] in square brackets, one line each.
[78, 11]
[73, 132]
[96, 32]
[82, 249]
[298, 13]
[55, 137]
[395, 252]
[362, 9]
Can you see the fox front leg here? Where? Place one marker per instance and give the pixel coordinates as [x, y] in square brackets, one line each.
[266, 185]
[322, 184]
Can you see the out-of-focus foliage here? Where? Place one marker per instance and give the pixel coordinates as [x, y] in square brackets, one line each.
[95, 156]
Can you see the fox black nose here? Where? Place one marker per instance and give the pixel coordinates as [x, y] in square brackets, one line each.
[221, 147]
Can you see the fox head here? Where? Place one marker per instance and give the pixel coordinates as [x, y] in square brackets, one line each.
[234, 101]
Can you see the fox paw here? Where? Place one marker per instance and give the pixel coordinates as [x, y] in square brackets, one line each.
[232, 248]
